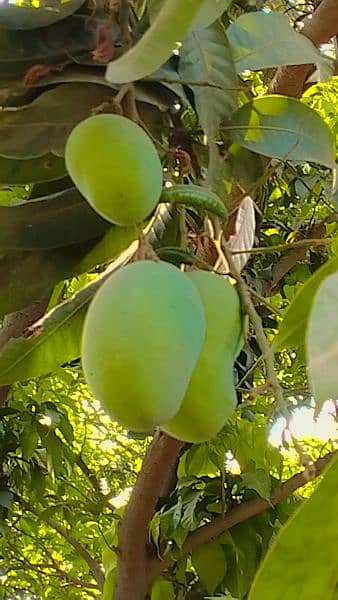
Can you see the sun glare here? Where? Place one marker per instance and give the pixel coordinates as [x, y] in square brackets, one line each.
[303, 425]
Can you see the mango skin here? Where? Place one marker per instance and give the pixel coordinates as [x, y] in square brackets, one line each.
[211, 397]
[142, 337]
[115, 166]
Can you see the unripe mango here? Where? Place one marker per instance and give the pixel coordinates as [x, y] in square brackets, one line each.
[211, 397]
[142, 337]
[115, 166]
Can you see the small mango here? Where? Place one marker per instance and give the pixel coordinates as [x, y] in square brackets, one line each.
[115, 166]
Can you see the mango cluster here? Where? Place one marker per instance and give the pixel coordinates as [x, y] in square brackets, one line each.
[159, 346]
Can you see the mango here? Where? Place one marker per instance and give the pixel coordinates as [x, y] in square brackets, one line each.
[115, 166]
[142, 337]
[211, 397]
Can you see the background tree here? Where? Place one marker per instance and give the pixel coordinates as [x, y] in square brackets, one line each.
[200, 518]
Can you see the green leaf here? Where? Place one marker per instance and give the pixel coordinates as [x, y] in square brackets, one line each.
[283, 128]
[301, 562]
[322, 342]
[210, 11]
[176, 255]
[197, 462]
[55, 339]
[162, 590]
[294, 324]
[253, 41]
[109, 585]
[189, 506]
[43, 126]
[66, 428]
[6, 498]
[114, 241]
[259, 481]
[109, 555]
[34, 170]
[170, 26]
[194, 196]
[247, 547]
[210, 564]
[28, 276]
[19, 16]
[49, 222]
[29, 441]
[206, 58]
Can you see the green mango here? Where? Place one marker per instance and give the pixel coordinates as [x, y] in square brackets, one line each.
[142, 338]
[115, 166]
[211, 397]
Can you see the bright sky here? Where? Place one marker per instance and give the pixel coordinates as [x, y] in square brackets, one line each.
[303, 425]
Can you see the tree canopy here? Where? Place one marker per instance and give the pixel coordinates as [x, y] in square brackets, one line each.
[239, 99]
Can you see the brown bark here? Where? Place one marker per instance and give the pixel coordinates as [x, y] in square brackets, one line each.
[159, 462]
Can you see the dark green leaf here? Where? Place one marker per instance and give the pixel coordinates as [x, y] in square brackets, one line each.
[206, 58]
[72, 38]
[6, 498]
[29, 441]
[43, 126]
[28, 276]
[55, 339]
[176, 255]
[34, 170]
[66, 428]
[247, 553]
[50, 222]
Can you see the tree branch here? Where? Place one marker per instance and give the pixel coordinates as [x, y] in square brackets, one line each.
[323, 26]
[160, 460]
[239, 514]
[93, 565]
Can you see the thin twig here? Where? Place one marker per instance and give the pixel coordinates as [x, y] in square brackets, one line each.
[124, 16]
[267, 352]
[196, 83]
[265, 302]
[286, 247]
[93, 565]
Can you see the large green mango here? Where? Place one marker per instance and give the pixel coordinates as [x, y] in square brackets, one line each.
[142, 338]
[211, 397]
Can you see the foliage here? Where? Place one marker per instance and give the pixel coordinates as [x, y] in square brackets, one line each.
[259, 169]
